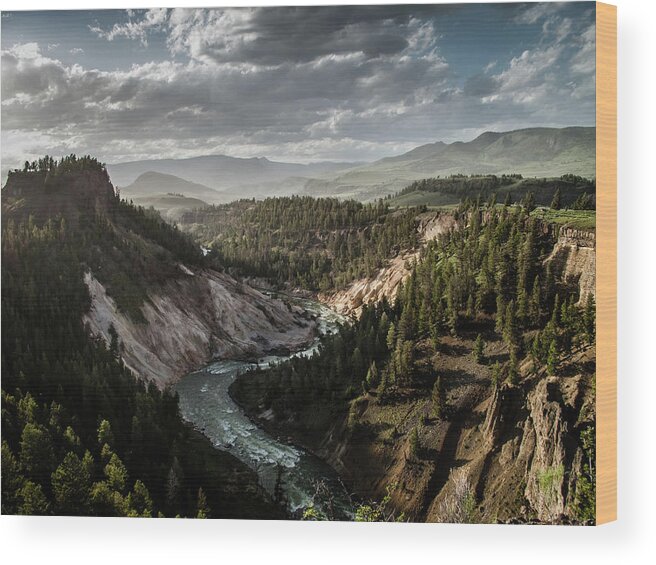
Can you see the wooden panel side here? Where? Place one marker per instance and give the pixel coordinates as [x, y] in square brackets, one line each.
[606, 171]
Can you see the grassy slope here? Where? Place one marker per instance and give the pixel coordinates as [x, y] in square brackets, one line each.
[578, 219]
[531, 152]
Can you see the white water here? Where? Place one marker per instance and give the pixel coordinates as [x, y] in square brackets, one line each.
[206, 403]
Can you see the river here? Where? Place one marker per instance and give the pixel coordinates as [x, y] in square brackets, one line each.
[205, 402]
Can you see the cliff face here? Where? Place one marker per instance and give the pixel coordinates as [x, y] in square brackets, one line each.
[522, 459]
[513, 450]
[387, 281]
[573, 259]
[194, 318]
[44, 195]
[188, 316]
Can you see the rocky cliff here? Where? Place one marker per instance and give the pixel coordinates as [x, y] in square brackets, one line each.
[193, 318]
[504, 454]
[386, 282]
[44, 195]
[169, 318]
[523, 456]
[573, 259]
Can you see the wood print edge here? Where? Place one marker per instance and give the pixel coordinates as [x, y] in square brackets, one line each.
[606, 262]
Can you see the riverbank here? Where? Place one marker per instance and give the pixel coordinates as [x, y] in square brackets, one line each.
[290, 475]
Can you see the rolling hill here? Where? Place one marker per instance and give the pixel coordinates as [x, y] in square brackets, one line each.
[153, 184]
[171, 206]
[222, 172]
[533, 152]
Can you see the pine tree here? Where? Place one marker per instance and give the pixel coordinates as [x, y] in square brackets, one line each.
[556, 202]
[470, 306]
[139, 501]
[114, 345]
[71, 484]
[534, 303]
[33, 501]
[372, 375]
[105, 435]
[501, 310]
[495, 374]
[511, 329]
[36, 452]
[555, 313]
[391, 337]
[479, 348]
[529, 202]
[202, 508]
[414, 443]
[522, 307]
[116, 473]
[552, 358]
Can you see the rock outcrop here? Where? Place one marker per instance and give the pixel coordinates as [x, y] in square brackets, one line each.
[573, 259]
[44, 195]
[386, 283]
[194, 318]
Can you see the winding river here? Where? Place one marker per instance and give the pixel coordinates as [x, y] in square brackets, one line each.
[206, 403]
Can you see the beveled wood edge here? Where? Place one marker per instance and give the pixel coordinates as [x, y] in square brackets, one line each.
[606, 263]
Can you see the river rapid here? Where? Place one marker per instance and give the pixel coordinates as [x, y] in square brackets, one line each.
[282, 468]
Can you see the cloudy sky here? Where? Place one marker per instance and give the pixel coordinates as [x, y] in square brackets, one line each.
[296, 84]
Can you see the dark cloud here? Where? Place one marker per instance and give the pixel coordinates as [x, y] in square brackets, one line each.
[480, 85]
[310, 83]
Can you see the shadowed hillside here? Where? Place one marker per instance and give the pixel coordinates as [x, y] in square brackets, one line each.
[85, 433]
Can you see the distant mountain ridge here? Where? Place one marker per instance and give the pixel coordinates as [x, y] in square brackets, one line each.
[222, 172]
[153, 184]
[532, 152]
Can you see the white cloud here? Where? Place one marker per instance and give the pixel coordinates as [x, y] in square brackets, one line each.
[137, 29]
[343, 86]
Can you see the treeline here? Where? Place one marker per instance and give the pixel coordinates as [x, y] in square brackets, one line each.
[573, 191]
[313, 243]
[68, 164]
[461, 185]
[488, 276]
[81, 435]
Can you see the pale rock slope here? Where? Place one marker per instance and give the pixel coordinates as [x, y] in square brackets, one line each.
[386, 283]
[193, 319]
[574, 259]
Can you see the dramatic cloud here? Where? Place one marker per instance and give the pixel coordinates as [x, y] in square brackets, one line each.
[152, 19]
[294, 83]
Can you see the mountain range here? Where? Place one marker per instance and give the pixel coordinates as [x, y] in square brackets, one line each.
[221, 171]
[532, 152]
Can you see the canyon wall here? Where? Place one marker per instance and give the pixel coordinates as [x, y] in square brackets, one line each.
[573, 260]
[386, 282]
[193, 318]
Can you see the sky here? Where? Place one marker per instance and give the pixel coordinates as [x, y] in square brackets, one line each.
[300, 84]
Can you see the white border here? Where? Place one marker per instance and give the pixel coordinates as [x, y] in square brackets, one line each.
[631, 539]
